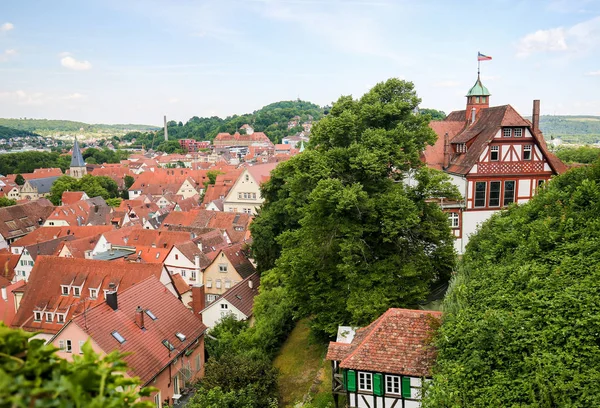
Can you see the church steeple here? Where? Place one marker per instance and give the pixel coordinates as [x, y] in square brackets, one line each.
[478, 98]
[77, 168]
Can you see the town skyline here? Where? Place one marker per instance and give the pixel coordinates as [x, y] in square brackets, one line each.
[107, 62]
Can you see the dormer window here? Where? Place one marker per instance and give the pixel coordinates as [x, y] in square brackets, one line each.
[65, 289]
[76, 291]
[507, 132]
[37, 316]
[94, 293]
[518, 132]
[49, 316]
[461, 148]
[60, 318]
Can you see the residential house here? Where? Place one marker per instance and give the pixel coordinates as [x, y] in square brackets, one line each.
[386, 363]
[71, 197]
[237, 302]
[30, 253]
[60, 288]
[296, 139]
[229, 267]
[245, 195]
[187, 260]
[9, 301]
[493, 155]
[90, 211]
[162, 339]
[10, 190]
[19, 220]
[37, 188]
[45, 234]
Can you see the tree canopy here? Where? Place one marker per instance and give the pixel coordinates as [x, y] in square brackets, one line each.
[93, 186]
[27, 162]
[433, 113]
[340, 231]
[522, 316]
[31, 374]
[582, 154]
[6, 202]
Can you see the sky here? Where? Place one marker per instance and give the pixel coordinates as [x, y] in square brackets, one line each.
[133, 61]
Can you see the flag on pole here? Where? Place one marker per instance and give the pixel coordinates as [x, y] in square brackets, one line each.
[481, 57]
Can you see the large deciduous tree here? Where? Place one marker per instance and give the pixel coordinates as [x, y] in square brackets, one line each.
[522, 317]
[340, 230]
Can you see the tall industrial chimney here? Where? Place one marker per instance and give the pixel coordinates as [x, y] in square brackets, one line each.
[166, 131]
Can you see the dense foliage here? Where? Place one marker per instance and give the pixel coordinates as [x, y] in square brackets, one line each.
[27, 162]
[340, 233]
[583, 154]
[32, 375]
[5, 202]
[522, 317]
[94, 186]
[40, 125]
[271, 119]
[8, 133]
[434, 114]
[93, 155]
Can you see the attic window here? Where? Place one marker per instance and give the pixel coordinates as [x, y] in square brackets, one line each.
[37, 316]
[518, 132]
[118, 337]
[94, 293]
[76, 291]
[168, 345]
[65, 290]
[507, 132]
[180, 336]
[150, 314]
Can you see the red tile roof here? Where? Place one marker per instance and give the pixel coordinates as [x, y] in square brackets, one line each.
[43, 290]
[7, 307]
[8, 262]
[396, 343]
[70, 197]
[18, 220]
[239, 260]
[148, 356]
[261, 172]
[44, 234]
[241, 296]
[180, 285]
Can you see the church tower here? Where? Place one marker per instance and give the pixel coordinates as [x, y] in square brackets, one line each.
[478, 98]
[77, 169]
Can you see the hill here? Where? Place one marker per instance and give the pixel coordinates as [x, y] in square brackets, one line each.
[7, 133]
[272, 119]
[571, 129]
[63, 128]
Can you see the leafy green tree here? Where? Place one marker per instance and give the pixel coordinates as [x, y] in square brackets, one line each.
[433, 113]
[114, 202]
[32, 375]
[94, 186]
[19, 180]
[171, 146]
[582, 154]
[340, 231]
[5, 202]
[128, 181]
[521, 317]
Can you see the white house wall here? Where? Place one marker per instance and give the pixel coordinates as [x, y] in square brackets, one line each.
[212, 314]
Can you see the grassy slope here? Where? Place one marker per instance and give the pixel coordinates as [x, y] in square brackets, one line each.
[301, 362]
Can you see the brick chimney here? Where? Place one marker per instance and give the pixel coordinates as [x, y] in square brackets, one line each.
[535, 117]
[111, 299]
[139, 317]
[446, 163]
[198, 299]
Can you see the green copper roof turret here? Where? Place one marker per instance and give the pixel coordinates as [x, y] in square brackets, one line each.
[478, 89]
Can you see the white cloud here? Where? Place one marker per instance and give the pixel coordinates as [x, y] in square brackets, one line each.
[6, 27]
[594, 73]
[446, 84]
[71, 63]
[5, 56]
[29, 98]
[580, 37]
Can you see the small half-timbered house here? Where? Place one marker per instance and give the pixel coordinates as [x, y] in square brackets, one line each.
[385, 364]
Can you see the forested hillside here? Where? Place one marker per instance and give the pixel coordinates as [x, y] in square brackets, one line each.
[7, 133]
[522, 317]
[272, 119]
[571, 129]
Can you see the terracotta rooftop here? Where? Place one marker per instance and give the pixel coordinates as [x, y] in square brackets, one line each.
[44, 234]
[241, 296]
[396, 343]
[148, 356]
[239, 260]
[18, 220]
[8, 262]
[180, 285]
[70, 197]
[43, 290]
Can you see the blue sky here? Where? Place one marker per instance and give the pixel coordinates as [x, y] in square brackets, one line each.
[131, 61]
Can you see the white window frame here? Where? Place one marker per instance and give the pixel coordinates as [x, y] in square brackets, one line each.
[518, 132]
[81, 343]
[198, 362]
[529, 149]
[507, 132]
[193, 275]
[65, 289]
[224, 306]
[223, 268]
[61, 345]
[76, 291]
[93, 293]
[454, 220]
[60, 318]
[496, 150]
[157, 401]
[227, 284]
[393, 384]
[209, 283]
[218, 284]
[37, 316]
[69, 348]
[365, 381]
[49, 316]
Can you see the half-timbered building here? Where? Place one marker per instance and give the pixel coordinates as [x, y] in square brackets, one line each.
[493, 155]
[385, 364]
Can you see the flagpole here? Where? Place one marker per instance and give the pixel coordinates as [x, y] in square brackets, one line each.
[478, 63]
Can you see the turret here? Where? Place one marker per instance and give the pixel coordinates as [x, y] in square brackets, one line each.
[478, 98]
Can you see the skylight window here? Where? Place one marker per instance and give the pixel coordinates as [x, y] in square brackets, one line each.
[150, 314]
[118, 337]
[168, 345]
[180, 336]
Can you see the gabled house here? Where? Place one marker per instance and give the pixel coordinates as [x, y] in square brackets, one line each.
[90, 211]
[244, 196]
[37, 188]
[386, 363]
[71, 197]
[19, 220]
[229, 267]
[45, 234]
[60, 288]
[164, 341]
[187, 260]
[30, 253]
[493, 155]
[237, 302]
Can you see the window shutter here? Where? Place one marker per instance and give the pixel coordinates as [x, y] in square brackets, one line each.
[378, 384]
[406, 387]
[351, 380]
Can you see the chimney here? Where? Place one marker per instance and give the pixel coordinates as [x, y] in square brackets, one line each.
[535, 117]
[4, 294]
[446, 151]
[139, 317]
[198, 299]
[111, 299]
[250, 283]
[473, 113]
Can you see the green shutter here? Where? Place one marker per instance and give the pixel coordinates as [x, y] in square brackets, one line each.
[351, 380]
[405, 387]
[345, 378]
[378, 384]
